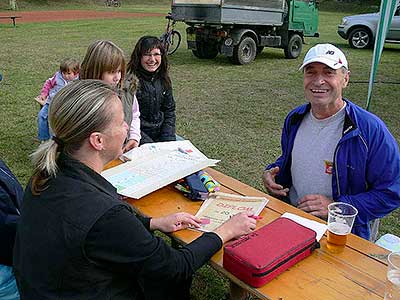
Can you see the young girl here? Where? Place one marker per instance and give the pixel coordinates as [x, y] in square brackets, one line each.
[105, 61]
[157, 105]
[69, 70]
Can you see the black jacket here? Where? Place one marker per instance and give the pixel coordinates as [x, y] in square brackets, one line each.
[78, 240]
[157, 109]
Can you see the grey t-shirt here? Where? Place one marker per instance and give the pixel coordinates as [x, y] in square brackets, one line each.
[312, 155]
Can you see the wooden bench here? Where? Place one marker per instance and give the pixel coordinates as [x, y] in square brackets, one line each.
[12, 18]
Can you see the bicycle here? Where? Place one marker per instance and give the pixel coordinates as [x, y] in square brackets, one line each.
[115, 3]
[171, 38]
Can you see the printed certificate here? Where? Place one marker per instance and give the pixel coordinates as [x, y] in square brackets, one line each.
[219, 207]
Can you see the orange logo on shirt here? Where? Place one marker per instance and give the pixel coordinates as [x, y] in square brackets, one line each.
[328, 167]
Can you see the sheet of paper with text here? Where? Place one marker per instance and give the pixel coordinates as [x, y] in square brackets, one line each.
[153, 166]
[219, 207]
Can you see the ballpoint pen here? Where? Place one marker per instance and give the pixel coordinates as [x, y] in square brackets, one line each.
[124, 158]
[182, 150]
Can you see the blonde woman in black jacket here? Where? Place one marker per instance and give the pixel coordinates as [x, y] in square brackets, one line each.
[76, 239]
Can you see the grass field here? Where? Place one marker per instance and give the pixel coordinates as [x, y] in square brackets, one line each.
[232, 113]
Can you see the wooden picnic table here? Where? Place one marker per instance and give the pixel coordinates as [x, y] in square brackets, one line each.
[358, 272]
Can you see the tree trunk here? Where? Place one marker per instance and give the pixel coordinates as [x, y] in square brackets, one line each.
[13, 4]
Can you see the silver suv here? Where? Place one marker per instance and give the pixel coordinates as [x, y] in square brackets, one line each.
[360, 30]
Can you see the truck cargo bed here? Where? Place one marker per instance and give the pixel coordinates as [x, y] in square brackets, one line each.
[251, 12]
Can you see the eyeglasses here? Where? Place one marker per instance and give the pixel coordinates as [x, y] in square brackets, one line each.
[152, 55]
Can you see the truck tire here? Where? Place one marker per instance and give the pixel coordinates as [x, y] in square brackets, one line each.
[245, 52]
[294, 46]
[205, 50]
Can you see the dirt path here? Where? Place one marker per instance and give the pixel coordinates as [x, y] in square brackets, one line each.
[65, 15]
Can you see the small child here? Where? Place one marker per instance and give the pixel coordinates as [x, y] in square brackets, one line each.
[69, 70]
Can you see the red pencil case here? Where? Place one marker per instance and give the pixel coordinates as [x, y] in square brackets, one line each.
[262, 255]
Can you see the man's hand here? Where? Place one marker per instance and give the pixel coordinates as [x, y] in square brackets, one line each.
[174, 222]
[270, 184]
[316, 205]
[130, 145]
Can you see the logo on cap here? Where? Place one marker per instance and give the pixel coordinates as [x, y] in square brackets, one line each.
[326, 54]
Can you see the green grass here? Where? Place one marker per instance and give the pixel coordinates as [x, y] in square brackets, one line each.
[232, 113]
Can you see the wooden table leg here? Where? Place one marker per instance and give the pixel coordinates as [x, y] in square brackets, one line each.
[236, 292]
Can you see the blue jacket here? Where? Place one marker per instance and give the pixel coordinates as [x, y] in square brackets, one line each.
[11, 194]
[366, 165]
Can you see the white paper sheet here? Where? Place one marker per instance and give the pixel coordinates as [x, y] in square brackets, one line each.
[156, 165]
[154, 148]
[319, 228]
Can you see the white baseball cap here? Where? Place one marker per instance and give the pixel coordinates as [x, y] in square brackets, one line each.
[327, 54]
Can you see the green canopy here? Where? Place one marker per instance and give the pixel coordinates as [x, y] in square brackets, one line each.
[387, 10]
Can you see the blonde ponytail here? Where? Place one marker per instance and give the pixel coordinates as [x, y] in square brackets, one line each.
[80, 108]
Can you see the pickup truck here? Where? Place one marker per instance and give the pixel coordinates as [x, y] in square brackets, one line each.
[240, 29]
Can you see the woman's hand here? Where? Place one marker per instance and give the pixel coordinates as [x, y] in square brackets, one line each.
[174, 222]
[236, 226]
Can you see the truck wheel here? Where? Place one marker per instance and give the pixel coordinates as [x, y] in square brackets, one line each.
[245, 52]
[294, 47]
[205, 50]
[360, 38]
[196, 53]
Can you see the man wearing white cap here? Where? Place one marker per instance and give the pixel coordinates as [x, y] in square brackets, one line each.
[333, 150]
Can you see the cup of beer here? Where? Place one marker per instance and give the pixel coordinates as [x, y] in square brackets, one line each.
[341, 217]
[392, 289]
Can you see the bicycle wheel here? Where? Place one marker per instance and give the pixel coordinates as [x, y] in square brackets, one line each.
[174, 42]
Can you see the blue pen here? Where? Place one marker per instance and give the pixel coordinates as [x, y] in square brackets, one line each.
[182, 150]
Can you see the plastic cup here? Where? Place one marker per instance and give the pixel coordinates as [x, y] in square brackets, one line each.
[392, 290]
[341, 218]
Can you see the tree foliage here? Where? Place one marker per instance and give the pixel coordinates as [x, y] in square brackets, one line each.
[13, 4]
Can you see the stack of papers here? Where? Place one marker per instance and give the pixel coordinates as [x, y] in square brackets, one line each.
[153, 166]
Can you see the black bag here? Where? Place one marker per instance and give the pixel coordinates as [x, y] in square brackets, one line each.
[197, 189]
[192, 187]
